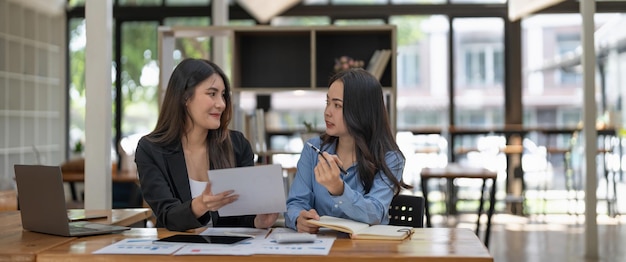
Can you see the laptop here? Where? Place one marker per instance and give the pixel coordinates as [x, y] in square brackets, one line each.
[41, 200]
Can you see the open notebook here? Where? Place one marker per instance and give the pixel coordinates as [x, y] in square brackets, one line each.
[358, 230]
[42, 204]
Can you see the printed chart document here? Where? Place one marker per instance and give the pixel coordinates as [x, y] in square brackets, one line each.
[138, 246]
[260, 189]
[262, 242]
[263, 245]
[358, 230]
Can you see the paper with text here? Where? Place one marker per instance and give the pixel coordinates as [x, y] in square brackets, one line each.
[139, 246]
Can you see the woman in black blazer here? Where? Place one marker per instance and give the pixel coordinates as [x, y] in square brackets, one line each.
[191, 138]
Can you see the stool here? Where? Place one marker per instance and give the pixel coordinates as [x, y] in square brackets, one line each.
[453, 171]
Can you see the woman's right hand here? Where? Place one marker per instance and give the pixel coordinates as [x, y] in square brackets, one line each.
[208, 201]
[302, 223]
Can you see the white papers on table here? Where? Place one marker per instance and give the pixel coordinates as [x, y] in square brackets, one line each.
[261, 245]
[214, 249]
[139, 246]
[257, 245]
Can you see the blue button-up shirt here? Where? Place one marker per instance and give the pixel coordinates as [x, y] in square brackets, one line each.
[371, 208]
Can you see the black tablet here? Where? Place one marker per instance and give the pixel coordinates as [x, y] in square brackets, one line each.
[201, 239]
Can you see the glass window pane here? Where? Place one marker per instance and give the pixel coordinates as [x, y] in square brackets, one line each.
[199, 47]
[418, 1]
[478, 1]
[76, 27]
[478, 86]
[553, 83]
[359, 22]
[187, 2]
[300, 20]
[75, 3]
[139, 2]
[140, 77]
[315, 2]
[422, 72]
[243, 22]
[187, 21]
[422, 91]
[358, 2]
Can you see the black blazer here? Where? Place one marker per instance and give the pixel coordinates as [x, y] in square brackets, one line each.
[165, 184]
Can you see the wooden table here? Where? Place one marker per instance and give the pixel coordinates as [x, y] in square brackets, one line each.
[118, 217]
[453, 171]
[17, 244]
[123, 176]
[426, 245]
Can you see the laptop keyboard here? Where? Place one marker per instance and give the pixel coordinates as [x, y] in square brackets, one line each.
[80, 229]
[86, 227]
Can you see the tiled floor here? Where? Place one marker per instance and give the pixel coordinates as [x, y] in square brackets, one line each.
[557, 236]
[549, 238]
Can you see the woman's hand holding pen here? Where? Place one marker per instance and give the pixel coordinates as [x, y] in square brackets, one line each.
[208, 201]
[327, 173]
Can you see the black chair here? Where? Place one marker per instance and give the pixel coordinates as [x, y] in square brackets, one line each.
[406, 210]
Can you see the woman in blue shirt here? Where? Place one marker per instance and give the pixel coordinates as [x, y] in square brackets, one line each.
[358, 138]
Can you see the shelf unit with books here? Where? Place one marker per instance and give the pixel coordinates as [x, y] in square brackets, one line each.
[283, 58]
[268, 59]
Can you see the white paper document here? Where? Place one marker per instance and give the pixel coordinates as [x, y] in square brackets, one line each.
[136, 246]
[262, 245]
[262, 242]
[260, 189]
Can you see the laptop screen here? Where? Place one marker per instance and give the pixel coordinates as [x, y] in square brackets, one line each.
[41, 199]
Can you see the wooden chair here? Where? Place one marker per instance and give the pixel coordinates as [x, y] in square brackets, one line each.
[406, 210]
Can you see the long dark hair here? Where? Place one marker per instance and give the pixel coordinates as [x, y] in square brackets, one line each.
[170, 126]
[366, 120]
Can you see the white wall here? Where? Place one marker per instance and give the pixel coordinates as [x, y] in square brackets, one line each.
[32, 87]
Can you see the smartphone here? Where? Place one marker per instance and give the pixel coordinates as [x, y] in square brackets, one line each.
[201, 239]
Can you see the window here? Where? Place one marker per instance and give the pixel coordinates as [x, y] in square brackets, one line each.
[484, 64]
[567, 43]
[553, 82]
[479, 72]
[76, 81]
[422, 71]
[140, 77]
[408, 67]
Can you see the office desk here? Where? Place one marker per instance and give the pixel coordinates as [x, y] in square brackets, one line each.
[17, 244]
[426, 245]
[118, 217]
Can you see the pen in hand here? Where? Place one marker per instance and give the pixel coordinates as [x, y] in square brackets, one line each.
[269, 232]
[343, 171]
